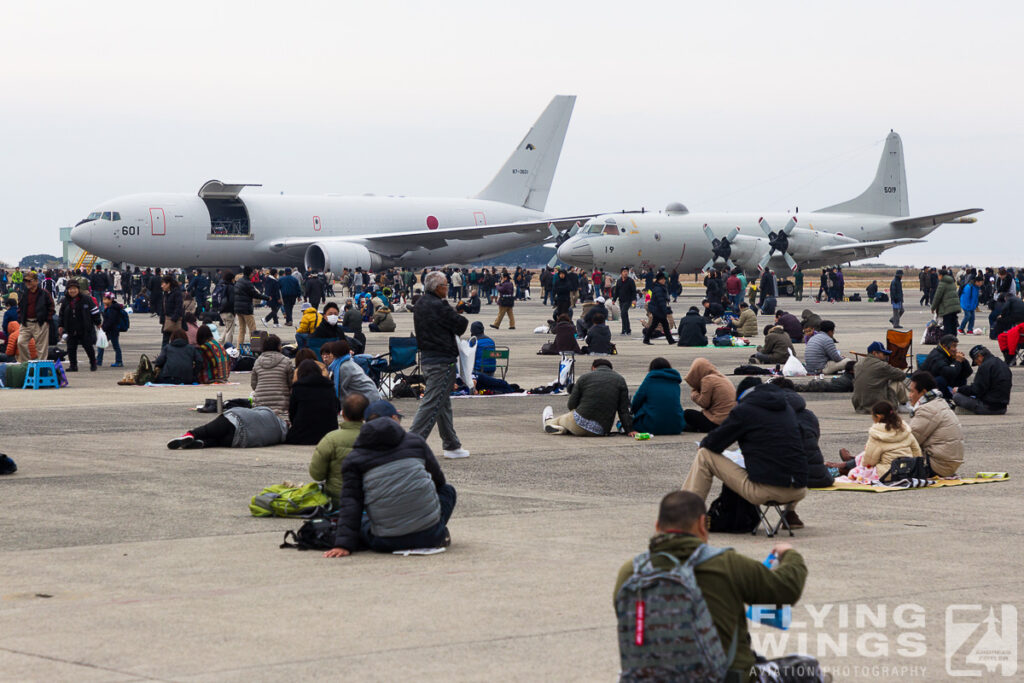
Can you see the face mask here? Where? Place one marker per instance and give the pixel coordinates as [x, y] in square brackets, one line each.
[332, 319]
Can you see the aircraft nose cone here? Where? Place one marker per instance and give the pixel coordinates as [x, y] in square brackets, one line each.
[82, 236]
[576, 252]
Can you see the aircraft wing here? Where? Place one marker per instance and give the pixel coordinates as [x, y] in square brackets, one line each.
[388, 242]
[934, 219]
[858, 250]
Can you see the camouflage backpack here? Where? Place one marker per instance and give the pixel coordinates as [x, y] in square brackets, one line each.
[665, 628]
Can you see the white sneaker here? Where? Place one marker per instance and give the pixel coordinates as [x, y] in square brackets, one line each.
[547, 414]
[457, 453]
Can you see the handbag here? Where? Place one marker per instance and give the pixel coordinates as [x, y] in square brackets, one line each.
[171, 325]
[907, 468]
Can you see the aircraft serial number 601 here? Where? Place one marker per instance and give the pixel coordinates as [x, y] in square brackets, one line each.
[130, 230]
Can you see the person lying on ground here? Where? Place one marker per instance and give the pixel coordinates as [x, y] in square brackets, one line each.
[875, 380]
[595, 399]
[729, 582]
[888, 438]
[764, 425]
[394, 495]
[335, 445]
[989, 393]
[236, 428]
[656, 404]
[836, 384]
[935, 426]
[712, 392]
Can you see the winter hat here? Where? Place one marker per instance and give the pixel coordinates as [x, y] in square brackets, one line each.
[476, 329]
[747, 383]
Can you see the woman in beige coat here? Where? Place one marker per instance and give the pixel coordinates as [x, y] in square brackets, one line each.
[272, 378]
[935, 426]
[712, 392]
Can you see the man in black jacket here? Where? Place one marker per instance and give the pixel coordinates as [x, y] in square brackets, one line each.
[245, 293]
[393, 476]
[436, 326]
[272, 288]
[989, 393]
[313, 291]
[896, 299]
[561, 291]
[693, 329]
[765, 425]
[657, 307]
[625, 293]
[35, 311]
[948, 365]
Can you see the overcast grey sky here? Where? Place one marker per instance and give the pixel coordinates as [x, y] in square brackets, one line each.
[723, 106]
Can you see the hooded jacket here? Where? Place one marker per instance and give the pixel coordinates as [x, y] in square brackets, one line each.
[946, 300]
[693, 330]
[313, 409]
[885, 445]
[746, 324]
[777, 344]
[309, 322]
[393, 475]
[871, 379]
[992, 383]
[939, 434]
[818, 476]
[809, 318]
[765, 426]
[710, 390]
[656, 408]
[271, 381]
[179, 363]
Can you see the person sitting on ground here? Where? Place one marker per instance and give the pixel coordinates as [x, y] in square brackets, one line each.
[591, 310]
[712, 392]
[729, 582]
[393, 495]
[271, 378]
[330, 324]
[712, 309]
[599, 337]
[313, 406]
[888, 438]
[178, 362]
[835, 384]
[872, 290]
[351, 319]
[565, 338]
[236, 428]
[809, 320]
[216, 365]
[791, 325]
[764, 424]
[693, 329]
[1011, 314]
[989, 393]
[818, 475]
[948, 365]
[656, 406]
[746, 324]
[307, 354]
[471, 305]
[332, 449]
[776, 347]
[821, 357]
[935, 426]
[383, 321]
[593, 403]
[875, 380]
[348, 377]
[308, 323]
[482, 365]
[191, 327]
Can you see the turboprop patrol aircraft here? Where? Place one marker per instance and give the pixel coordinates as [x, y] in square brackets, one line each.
[222, 227]
[863, 227]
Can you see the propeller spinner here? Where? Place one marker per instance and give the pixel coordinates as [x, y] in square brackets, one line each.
[721, 248]
[777, 242]
[560, 239]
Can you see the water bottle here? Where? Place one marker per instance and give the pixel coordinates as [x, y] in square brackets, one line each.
[220, 403]
[770, 615]
[642, 436]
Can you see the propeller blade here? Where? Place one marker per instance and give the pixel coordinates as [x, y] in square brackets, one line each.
[732, 234]
[574, 229]
[765, 226]
[709, 266]
[554, 230]
[790, 224]
[710, 235]
[732, 266]
[790, 261]
[764, 261]
[553, 261]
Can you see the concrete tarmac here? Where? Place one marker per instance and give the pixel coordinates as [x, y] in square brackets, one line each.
[121, 560]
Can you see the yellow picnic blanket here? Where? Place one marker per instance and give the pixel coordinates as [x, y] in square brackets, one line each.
[987, 478]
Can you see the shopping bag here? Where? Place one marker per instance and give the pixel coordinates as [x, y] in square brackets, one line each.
[793, 367]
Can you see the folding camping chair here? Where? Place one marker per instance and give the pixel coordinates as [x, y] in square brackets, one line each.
[499, 355]
[402, 354]
[901, 343]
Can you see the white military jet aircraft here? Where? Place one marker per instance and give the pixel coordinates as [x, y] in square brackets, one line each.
[221, 227]
[860, 228]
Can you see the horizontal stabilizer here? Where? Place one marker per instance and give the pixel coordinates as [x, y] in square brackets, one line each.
[858, 250]
[933, 220]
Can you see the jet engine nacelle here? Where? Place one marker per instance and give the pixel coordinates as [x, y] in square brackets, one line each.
[335, 256]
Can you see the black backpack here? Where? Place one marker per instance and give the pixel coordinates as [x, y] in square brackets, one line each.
[907, 468]
[124, 322]
[314, 534]
[730, 513]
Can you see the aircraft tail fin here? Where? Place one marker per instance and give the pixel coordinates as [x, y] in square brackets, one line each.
[887, 194]
[525, 179]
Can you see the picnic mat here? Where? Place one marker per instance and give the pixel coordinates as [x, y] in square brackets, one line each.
[935, 483]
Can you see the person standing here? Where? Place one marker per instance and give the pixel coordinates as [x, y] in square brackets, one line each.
[245, 293]
[625, 294]
[506, 300]
[896, 298]
[172, 313]
[112, 314]
[437, 325]
[658, 309]
[79, 318]
[35, 311]
[798, 284]
[945, 303]
[562, 293]
[314, 290]
[969, 299]
[272, 288]
[290, 291]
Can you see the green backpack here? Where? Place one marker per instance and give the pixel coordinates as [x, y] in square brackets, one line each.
[282, 500]
[146, 372]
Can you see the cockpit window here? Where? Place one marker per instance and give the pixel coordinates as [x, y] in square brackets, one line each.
[610, 228]
[93, 216]
[594, 228]
[106, 216]
[115, 215]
